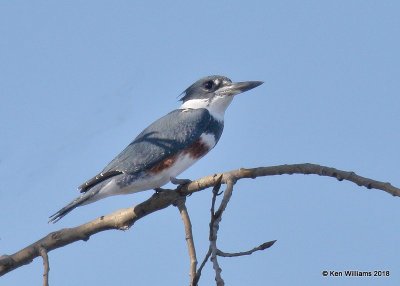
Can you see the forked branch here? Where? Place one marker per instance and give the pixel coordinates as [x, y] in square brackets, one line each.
[125, 218]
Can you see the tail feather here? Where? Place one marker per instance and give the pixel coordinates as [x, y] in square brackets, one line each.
[81, 200]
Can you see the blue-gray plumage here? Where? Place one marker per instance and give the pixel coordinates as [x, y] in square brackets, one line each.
[167, 136]
[168, 146]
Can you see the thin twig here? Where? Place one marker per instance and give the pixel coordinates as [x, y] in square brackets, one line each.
[46, 265]
[189, 238]
[225, 199]
[215, 193]
[214, 227]
[263, 246]
[203, 263]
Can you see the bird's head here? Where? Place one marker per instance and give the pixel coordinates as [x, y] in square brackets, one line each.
[214, 93]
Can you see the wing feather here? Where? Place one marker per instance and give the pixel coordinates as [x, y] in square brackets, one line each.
[162, 139]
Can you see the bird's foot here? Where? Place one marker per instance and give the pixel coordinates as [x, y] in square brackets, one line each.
[180, 182]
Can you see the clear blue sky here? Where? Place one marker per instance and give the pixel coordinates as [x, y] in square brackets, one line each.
[80, 79]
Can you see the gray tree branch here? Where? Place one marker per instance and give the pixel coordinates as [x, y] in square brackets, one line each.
[46, 266]
[125, 218]
[263, 246]
[189, 238]
[214, 227]
[215, 193]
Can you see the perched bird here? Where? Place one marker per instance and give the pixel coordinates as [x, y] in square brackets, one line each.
[168, 146]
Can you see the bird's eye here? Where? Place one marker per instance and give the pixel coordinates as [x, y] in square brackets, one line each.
[209, 85]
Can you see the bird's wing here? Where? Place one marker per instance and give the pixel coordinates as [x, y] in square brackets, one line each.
[162, 139]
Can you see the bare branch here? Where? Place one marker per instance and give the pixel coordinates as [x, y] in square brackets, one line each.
[215, 191]
[189, 238]
[214, 227]
[213, 217]
[263, 246]
[225, 200]
[203, 263]
[305, 169]
[124, 218]
[121, 220]
[46, 265]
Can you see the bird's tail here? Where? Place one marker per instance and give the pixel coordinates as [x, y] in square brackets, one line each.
[81, 200]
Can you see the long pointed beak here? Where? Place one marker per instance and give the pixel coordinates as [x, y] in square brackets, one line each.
[240, 87]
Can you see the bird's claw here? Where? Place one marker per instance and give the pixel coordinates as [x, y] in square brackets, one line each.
[180, 182]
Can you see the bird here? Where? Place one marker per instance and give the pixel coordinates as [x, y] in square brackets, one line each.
[168, 146]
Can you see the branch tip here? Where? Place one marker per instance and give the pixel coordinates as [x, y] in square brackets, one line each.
[261, 247]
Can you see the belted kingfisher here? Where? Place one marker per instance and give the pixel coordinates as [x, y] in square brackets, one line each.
[168, 146]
